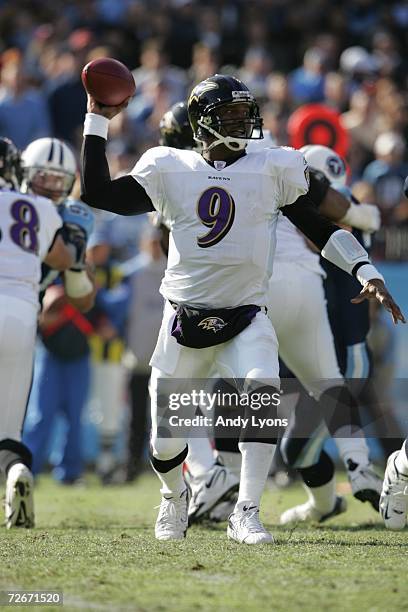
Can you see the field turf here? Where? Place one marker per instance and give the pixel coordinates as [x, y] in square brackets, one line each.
[97, 546]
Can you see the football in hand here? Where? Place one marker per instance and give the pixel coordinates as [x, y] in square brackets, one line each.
[108, 81]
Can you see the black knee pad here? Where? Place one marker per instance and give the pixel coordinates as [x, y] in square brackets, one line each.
[168, 464]
[319, 474]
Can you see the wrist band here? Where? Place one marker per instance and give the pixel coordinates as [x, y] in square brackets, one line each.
[368, 272]
[96, 125]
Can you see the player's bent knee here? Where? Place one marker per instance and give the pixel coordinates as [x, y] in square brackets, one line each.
[166, 448]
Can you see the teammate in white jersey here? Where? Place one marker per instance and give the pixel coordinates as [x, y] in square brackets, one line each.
[222, 206]
[29, 227]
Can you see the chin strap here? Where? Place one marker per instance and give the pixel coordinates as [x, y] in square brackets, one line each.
[234, 144]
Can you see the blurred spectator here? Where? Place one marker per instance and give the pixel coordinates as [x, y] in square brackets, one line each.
[387, 174]
[386, 54]
[359, 66]
[23, 109]
[155, 68]
[254, 72]
[363, 120]
[307, 82]
[204, 64]
[67, 97]
[335, 91]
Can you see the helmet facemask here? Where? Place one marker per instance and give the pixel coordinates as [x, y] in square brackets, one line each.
[235, 132]
[53, 184]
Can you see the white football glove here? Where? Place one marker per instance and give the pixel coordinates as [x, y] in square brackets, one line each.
[366, 217]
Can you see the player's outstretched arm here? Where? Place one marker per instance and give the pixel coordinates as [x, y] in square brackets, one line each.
[343, 250]
[124, 195]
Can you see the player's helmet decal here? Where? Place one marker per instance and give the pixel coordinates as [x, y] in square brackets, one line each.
[204, 103]
[336, 166]
[214, 324]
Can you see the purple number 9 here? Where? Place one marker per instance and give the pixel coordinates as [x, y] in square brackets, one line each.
[24, 231]
[215, 209]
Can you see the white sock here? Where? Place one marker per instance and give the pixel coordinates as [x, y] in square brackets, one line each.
[256, 461]
[323, 498]
[232, 461]
[401, 460]
[200, 458]
[352, 447]
[172, 481]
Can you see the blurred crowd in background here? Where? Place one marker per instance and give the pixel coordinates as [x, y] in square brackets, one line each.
[350, 55]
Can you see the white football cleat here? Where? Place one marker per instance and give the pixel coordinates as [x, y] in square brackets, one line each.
[394, 496]
[244, 525]
[19, 503]
[308, 513]
[365, 484]
[172, 520]
[218, 485]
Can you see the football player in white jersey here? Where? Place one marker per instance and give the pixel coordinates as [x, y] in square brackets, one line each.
[29, 227]
[222, 207]
[297, 308]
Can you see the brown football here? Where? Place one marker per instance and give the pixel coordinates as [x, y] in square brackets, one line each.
[108, 81]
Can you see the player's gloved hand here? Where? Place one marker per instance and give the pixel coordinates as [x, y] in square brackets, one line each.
[78, 225]
[75, 239]
[366, 217]
[376, 290]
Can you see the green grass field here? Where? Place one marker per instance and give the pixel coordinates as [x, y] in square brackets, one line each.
[97, 546]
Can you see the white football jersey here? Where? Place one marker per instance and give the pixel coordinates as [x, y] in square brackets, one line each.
[28, 224]
[291, 246]
[222, 220]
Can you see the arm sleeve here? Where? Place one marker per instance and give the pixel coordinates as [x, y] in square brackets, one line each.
[304, 215]
[336, 245]
[124, 196]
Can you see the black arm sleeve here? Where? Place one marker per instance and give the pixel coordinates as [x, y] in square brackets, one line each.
[319, 186]
[304, 215]
[124, 196]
